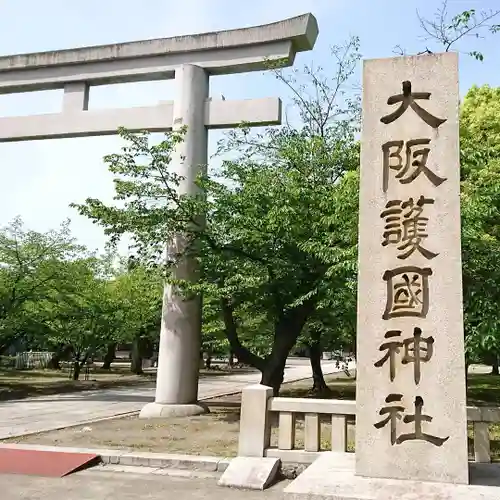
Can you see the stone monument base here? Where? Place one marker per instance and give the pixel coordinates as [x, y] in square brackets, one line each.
[252, 473]
[158, 410]
[332, 477]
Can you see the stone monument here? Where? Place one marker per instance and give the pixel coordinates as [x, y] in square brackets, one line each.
[411, 409]
[190, 60]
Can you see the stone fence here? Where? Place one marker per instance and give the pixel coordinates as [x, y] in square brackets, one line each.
[262, 416]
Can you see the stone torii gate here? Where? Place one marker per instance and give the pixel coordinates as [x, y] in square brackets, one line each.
[190, 61]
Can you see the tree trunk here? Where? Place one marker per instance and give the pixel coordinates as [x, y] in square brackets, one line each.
[315, 352]
[208, 362]
[286, 332]
[230, 361]
[494, 366]
[55, 361]
[285, 336]
[76, 370]
[109, 357]
[61, 353]
[136, 357]
[274, 372]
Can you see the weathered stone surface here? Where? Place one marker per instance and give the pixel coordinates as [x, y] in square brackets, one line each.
[251, 473]
[79, 122]
[158, 410]
[332, 477]
[222, 52]
[254, 428]
[409, 235]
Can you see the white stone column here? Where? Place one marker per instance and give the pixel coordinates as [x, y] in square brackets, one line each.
[180, 336]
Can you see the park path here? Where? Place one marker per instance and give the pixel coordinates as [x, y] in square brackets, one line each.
[44, 413]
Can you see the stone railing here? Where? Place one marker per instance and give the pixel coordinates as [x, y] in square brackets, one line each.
[261, 413]
[481, 417]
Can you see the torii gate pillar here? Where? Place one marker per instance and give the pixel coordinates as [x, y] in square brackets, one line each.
[190, 60]
[180, 334]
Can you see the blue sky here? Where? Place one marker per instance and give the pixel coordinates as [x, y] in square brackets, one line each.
[41, 178]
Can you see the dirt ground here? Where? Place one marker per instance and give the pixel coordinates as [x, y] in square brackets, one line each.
[215, 434]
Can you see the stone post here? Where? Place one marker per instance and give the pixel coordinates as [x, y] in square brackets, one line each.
[255, 431]
[179, 350]
[411, 420]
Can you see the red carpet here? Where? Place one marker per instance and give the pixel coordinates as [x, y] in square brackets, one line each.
[43, 463]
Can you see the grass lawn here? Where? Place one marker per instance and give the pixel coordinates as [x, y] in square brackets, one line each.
[482, 389]
[17, 384]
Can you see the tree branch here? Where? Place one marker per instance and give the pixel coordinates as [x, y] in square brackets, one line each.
[447, 32]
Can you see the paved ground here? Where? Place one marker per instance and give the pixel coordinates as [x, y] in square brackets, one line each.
[45, 413]
[96, 485]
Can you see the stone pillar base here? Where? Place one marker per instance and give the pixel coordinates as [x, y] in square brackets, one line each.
[159, 410]
[332, 477]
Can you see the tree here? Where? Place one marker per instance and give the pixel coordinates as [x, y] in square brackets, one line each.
[88, 319]
[480, 160]
[213, 338]
[280, 219]
[283, 250]
[480, 127]
[33, 268]
[138, 292]
[106, 305]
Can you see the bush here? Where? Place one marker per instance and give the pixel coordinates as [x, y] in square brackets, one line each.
[7, 361]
